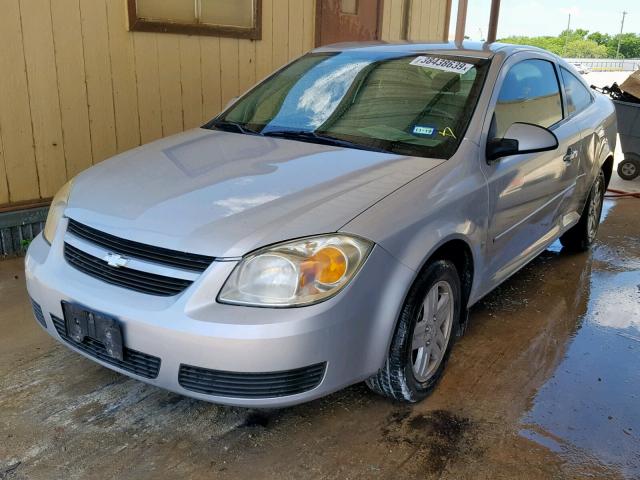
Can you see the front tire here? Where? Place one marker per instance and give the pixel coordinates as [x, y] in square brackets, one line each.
[582, 235]
[428, 324]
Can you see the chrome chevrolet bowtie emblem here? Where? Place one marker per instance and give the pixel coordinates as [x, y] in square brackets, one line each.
[115, 260]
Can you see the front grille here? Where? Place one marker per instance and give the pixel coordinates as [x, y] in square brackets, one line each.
[164, 256]
[136, 362]
[137, 280]
[37, 312]
[250, 385]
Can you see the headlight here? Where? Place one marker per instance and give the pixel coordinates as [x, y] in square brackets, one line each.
[296, 273]
[58, 205]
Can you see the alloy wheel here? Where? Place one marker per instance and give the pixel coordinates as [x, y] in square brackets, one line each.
[432, 331]
[595, 209]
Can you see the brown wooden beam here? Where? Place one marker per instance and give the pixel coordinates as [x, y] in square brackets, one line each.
[461, 20]
[447, 21]
[25, 205]
[493, 21]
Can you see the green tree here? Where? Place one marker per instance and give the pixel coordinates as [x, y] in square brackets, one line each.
[599, 38]
[629, 45]
[580, 33]
[585, 49]
[579, 43]
[553, 44]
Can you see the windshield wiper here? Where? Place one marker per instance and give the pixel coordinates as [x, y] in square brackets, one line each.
[228, 125]
[308, 136]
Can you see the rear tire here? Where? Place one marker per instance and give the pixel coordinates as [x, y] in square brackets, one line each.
[582, 235]
[428, 324]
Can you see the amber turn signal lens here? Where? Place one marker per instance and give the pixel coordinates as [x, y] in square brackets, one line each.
[332, 265]
[326, 266]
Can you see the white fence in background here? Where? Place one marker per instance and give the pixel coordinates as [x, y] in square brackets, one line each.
[608, 64]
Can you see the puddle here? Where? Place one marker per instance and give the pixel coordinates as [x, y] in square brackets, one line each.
[590, 406]
[607, 205]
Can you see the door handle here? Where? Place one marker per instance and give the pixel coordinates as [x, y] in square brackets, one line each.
[571, 155]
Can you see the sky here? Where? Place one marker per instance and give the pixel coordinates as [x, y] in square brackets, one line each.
[549, 17]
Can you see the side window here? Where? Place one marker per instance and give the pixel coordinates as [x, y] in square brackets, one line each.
[530, 93]
[578, 97]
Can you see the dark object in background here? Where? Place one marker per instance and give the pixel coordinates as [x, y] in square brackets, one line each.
[628, 116]
[18, 228]
[629, 168]
[616, 93]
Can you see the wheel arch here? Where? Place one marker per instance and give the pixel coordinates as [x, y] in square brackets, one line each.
[457, 249]
[458, 252]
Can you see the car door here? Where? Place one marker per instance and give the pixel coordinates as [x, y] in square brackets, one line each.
[578, 102]
[529, 194]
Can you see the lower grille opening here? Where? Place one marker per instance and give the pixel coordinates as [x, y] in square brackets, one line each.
[134, 361]
[37, 312]
[251, 385]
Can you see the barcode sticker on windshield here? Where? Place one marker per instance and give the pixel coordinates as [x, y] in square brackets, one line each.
[443, 64]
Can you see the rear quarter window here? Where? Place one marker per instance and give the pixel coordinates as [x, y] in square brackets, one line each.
[578, 97]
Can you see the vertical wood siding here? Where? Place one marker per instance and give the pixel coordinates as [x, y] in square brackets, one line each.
[425, 19]
[77, 87]
[16, 128]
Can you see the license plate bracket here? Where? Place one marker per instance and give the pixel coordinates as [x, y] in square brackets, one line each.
[82, 323]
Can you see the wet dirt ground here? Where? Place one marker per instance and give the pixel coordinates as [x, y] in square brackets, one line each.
[545, 384]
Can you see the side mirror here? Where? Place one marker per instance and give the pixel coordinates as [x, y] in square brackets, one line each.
[522, 138]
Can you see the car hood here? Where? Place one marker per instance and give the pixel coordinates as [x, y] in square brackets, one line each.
[225, 194]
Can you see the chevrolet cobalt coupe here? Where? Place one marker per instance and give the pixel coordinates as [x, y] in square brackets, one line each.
[332, 225]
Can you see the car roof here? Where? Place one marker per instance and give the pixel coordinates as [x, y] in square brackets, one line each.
[466, 48]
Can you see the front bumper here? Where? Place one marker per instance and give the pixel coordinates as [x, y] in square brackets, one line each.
[348, 333]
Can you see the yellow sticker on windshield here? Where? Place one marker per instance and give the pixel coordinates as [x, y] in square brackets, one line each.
[447, 132]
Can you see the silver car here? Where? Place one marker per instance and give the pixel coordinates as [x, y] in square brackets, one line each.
[333, 225]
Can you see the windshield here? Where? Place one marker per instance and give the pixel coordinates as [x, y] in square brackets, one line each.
[416, 105]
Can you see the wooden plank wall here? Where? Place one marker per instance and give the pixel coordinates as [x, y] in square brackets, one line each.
[76, 86]
[426, 19]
